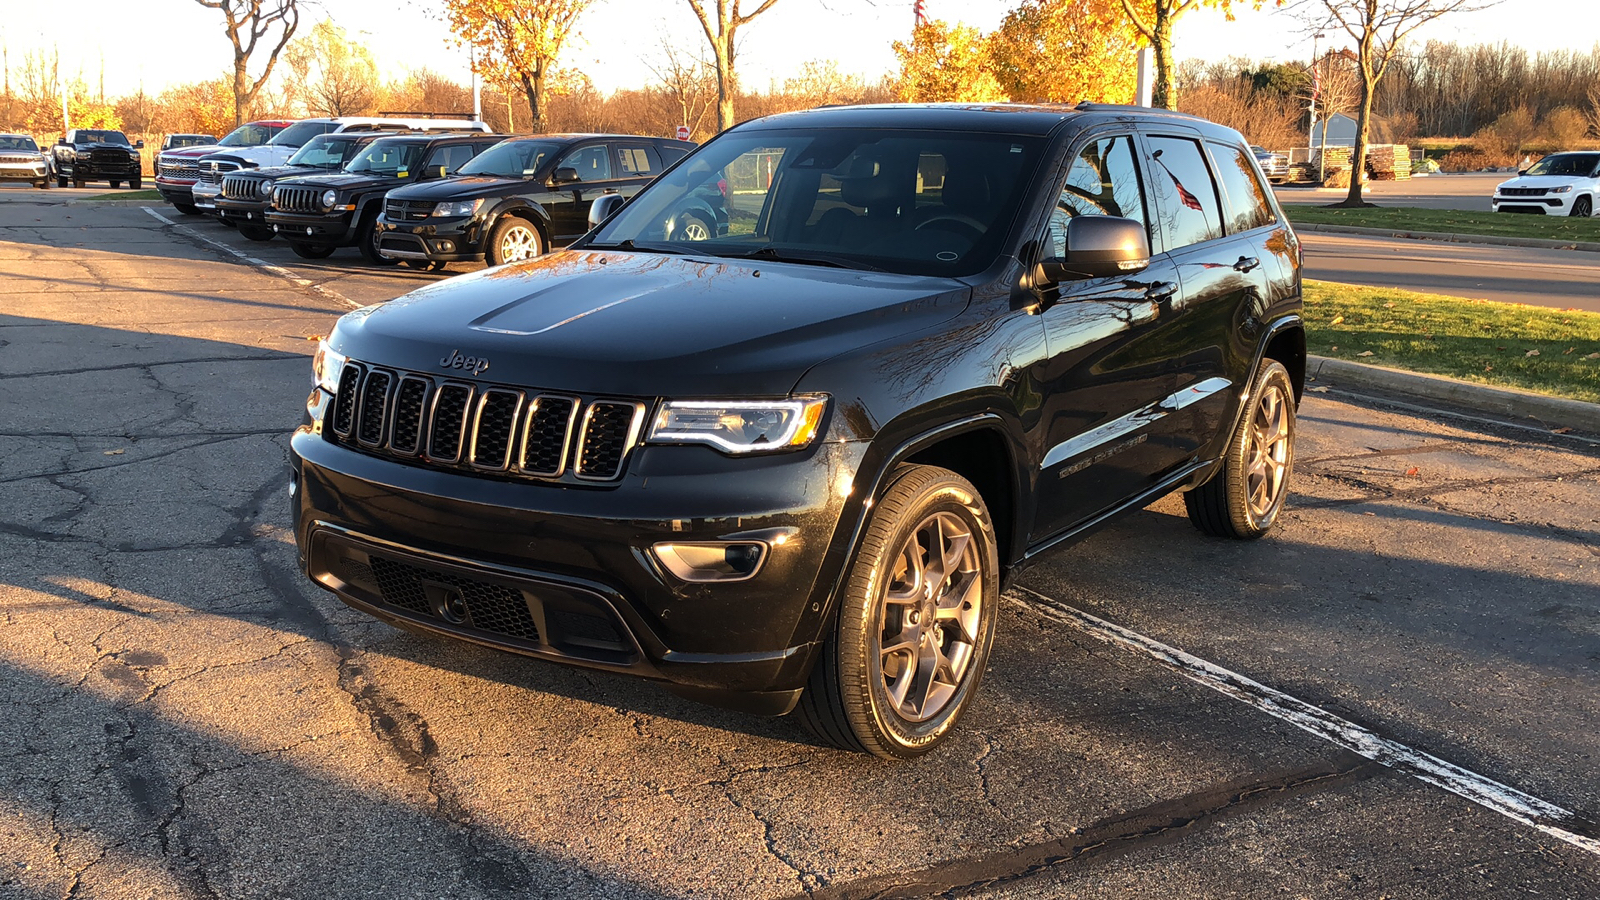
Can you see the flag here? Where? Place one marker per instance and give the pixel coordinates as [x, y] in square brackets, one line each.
[922, 14]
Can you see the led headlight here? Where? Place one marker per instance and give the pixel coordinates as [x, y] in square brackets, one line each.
[741, 426]
[326, 366]
[458, 208]
[328, 198]
[1561, 189]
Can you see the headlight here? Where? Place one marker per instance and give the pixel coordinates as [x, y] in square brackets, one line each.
[1561, 190]
[325, 368]
[328, 198]
[265, 189]
[458, 208]
[741, 426]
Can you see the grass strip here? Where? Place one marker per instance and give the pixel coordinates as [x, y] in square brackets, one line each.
[1454, 221]
[1551, 351]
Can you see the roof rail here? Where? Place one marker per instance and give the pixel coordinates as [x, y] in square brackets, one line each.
[1087, 106]
[419, 114]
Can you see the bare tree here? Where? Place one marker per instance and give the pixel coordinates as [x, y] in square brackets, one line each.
[249, 23]
[1378, 27]
[692, 83]
[720, 33]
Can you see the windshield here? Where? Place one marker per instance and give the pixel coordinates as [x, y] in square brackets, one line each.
[189, 140]
[510, 159]
[1572, 164]
[249, 136]
[915, 202]
[17, 142]
[399, 158]
[326, 152]
[103, 137]
[297, 134]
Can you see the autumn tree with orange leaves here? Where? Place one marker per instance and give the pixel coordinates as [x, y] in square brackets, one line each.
[943, 63]
[1065, 51]
[517, 41]
[1153, 19]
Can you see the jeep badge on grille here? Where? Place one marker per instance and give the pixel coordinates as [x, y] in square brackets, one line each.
[477, 365]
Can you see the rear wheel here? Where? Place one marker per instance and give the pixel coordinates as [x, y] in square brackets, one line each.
[691, 228]
[513, 240]
[1583, 207]
[1244, 498]
[915, 623]
[310, 251]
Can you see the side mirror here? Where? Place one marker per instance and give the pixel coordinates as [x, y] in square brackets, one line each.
[564, 175]
[1098, 247]
[61, 143]
[602, 208]
[436, 172]
[1522, 171]
[138, 145]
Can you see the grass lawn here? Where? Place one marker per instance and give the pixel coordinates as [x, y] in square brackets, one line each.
[1406, 218]
[126, 195]
[1551, 351]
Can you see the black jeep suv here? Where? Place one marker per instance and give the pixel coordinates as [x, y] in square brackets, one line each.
[318, 214]
[524, 196]
[792, 465]
[97, 154]
[247, 193]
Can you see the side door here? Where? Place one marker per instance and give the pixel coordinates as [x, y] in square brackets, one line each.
[1224, 274]
[569, 211]
[1109, 364]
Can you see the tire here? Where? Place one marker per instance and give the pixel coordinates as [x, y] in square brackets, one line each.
[188, 209]
[513, 239]
[114, 183]
[61, 181]
[78, 182]
[691, 227]
[1583, 207]
[255, 231]
[1243, 498]
[369, 242]
[44, 184]
[851, 700]
[310, 251]
[136, 183]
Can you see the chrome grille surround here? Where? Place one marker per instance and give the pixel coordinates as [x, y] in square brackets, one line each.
[293, 198]
[179, 168]
[407, 210]
[486, 430]
[211, 170]
[243, 187]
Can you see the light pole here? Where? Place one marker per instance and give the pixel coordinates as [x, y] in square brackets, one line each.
[1316, 90]
[477, 94]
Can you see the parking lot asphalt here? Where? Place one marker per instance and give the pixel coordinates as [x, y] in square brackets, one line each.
[186, 716]
[1465, 191]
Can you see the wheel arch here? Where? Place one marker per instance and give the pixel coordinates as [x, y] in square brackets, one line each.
[1286, 343]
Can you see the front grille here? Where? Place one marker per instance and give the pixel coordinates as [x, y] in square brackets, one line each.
[288, 198]
[242, 187]
[493, 430]
[1523, 192]
[185, 169]
[211, 171]
[455, 598]
[110, 157]
[407, 210]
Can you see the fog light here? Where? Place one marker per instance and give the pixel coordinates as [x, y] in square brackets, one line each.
[713, 561]
[444, 246]
[308, 229]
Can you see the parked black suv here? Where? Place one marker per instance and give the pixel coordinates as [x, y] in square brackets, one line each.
[523, 196]
[97, 154]
[246, 193]
[318, 214]
[793, 464]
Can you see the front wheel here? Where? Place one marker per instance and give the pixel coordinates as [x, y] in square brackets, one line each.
[44, 183]
[1583, 207]
[915, 623]
[513, 240]
[61, 181]
[188, 209]
[255, 231]
[136, 183]
[1244, 498]
[369, 244]
[114, 183]
[311, 251]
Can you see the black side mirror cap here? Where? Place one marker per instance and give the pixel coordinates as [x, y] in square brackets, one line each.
[1522, 171]
[603, 206]
[138, 145]
[1098, 247]
[564, 175]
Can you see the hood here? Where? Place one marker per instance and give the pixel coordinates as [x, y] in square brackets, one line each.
[459, 187]
[1542, 181]
[196, 152]
[102, 145]
[276, 172]
[346, 182]
[646, 325]
[264, 155]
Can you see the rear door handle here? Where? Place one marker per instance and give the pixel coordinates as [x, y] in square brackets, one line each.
[1161, 290]
[1246, 263]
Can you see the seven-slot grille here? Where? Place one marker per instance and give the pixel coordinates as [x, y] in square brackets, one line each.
[407, 210]
[488, 430]
[297, 199]
[242, 187]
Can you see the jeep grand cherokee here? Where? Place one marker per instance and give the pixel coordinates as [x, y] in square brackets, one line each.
[790, 466]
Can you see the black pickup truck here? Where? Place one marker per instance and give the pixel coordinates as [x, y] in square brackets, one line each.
[97, 154]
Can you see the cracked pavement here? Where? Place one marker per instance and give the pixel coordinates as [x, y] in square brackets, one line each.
[183, 715]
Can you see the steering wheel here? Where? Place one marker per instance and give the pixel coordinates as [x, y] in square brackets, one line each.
[977, 227]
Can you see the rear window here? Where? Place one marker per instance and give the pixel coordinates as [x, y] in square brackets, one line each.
[1248, 206]
[636, 161]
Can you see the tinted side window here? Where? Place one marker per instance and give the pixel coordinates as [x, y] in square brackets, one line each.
[636, 161]
[592, 163]
[1187, 211]
[452, 157]
[1247, 200]
[670, 155]
[1102, 181]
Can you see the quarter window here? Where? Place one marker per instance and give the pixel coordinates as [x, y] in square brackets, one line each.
[635, 162]
[1102, 181]
[1247, 200]
[1187, 211]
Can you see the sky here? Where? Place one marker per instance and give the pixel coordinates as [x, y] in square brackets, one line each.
[175, 41]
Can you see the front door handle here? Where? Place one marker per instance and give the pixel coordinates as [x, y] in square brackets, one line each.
[1246, 263]
[1160, 291]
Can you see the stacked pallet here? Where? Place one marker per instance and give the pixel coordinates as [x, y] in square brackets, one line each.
[1389, 162]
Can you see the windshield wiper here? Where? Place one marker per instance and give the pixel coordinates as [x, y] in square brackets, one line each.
[803, 258]
[628, 244]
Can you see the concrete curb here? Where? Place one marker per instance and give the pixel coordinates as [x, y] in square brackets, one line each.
[1453, 238]
[90, 201]
[1508, 402]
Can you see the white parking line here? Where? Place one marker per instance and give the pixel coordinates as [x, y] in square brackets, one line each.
[256, 262]
[1490, 794]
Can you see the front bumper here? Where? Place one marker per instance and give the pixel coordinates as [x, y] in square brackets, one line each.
[447, 240]
[242, 210]
[335, 229]
[561, 551]
[24, 171]
[1547, 205]
[205, 195]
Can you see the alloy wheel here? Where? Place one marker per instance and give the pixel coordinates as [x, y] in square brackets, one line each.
[518, 243]
[930, 615]
[1268, 465]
